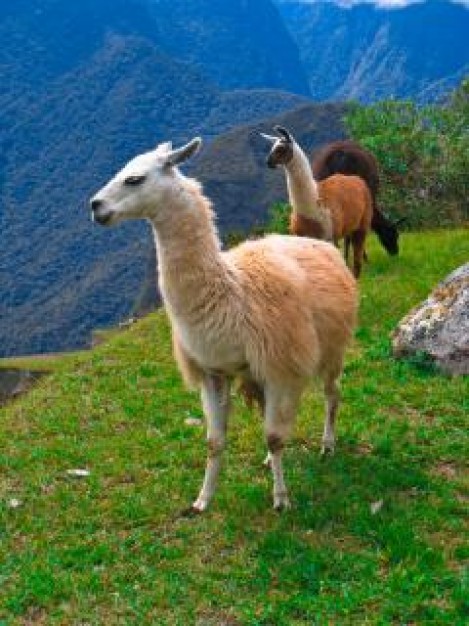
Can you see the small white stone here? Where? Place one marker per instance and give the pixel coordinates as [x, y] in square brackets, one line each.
[14, 503]
[78, 473]
[193, 421]
[375, 507]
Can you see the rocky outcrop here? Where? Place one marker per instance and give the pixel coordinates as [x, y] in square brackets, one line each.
[15, 382]
[439, 327]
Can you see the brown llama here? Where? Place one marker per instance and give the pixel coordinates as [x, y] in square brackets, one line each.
[339, 207]
[350, 158]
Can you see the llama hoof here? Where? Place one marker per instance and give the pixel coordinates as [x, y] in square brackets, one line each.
[328, 449]
[191, 511]
[198, 507]
[281, 503]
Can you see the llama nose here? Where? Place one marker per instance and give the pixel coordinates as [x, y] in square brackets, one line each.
[95, 204]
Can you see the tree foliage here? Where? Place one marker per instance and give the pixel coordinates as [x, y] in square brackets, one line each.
[423, 154]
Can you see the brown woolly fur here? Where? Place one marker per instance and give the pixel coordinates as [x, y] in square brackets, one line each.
[347, 157]
[304, 226]
[339, 207]
[350, 158]
[350, 203]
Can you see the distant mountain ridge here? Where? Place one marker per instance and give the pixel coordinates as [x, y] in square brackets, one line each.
[86, 85]
[235, 175]
[368, 53]
[239, 44]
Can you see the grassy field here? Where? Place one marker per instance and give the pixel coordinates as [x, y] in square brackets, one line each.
[377, 534]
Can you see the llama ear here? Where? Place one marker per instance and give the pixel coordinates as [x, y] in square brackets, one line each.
[175, 157]
[269, 138]
[281, 130]
[165, 147]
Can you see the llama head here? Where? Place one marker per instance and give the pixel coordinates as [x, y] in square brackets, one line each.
[283, 147]
[143, 188]
[387, 231]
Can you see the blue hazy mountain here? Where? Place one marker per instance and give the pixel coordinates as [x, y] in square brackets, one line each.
[369, 53]
[84, 86]
[87, 84]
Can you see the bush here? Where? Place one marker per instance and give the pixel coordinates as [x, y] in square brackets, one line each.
[423, 154]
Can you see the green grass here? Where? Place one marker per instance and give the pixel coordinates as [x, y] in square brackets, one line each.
[114, 548]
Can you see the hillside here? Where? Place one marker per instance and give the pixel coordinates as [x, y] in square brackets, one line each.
[233, 169]
[376, 534]
[367, 53]
[235, 177]
[217, 35]
[84, 87]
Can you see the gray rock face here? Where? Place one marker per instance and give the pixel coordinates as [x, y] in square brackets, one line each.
[439, 327]
[14, 382]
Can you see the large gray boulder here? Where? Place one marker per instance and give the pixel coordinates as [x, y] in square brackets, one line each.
[439, 327]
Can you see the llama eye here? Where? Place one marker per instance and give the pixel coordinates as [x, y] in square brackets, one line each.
[133, 181]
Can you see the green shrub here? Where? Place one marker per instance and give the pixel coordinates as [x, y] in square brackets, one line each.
[423, 154]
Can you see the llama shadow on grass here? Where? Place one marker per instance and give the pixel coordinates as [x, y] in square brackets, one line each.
[359, 518]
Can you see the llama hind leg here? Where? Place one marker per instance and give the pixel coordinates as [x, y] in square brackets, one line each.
[358, 243]
[280, 412]
[216, 404]
[332, 393]
[346, 248]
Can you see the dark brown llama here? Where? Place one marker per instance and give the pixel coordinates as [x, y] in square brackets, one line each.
[349, 158]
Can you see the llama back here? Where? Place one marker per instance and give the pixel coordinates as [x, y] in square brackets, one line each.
[311, 310]
[347, 157]
[349, 200]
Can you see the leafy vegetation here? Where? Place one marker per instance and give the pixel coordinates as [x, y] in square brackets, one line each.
[376, 534]
[424, 156]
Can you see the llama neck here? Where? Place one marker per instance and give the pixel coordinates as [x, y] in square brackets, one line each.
[304, 196]
[302, 188]
[188, 252]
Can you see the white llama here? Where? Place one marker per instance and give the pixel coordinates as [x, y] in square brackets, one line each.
[338, 207]
[274, 312]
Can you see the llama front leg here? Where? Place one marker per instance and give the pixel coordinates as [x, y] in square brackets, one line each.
[280, 414]
[332, 393]
[215, 394]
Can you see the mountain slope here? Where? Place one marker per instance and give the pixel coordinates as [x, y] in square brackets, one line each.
[85, 86]
[235, 176]
[60, 271]
[368, 53]
[239, 43]
[233, 169]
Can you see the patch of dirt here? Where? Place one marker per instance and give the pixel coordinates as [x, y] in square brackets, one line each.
[210, 618]
[35, 616]
[363, 449]
[445, 469]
